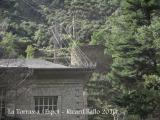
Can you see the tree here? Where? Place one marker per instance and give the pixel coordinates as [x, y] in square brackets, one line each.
[135, 54]
[30, 51]
[132, 56]
[89, 16]
[42, 35]
[143, 101]
[98, 38]
[6, 3]
[132, 37]
[32, 18]
[10, 45]
[100, 95]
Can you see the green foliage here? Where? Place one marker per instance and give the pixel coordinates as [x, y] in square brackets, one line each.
[30, 52]
[132, 38]
[133, 50]
[100, 95]
[29, 28]
[38, 16]
[143, 101]
[41, 35]
[10, 44]
[99, 38]
[133, 43]
[6, 3]
[131, 35]
[135, 117]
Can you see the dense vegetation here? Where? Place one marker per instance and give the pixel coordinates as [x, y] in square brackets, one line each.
[32, 22]
[129, 29]
[132, 38]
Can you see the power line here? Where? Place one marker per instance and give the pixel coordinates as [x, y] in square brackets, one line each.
[58, 41]
[86, 59]
[35, 2]
[30, 6]
[81, 52]
[66, 47]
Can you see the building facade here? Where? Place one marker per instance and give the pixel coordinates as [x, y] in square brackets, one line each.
[51, 92]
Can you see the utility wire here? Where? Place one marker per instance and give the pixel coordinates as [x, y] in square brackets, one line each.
[59, 44]
[66, 47]
[35, 2]
[87, 60]
[31, 6]
[81, 52]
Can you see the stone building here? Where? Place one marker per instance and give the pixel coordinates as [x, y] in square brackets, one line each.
[50, 92]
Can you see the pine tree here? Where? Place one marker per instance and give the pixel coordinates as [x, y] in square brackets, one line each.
[133, 43]
[132, 56]
[90, 16]
[100, 95]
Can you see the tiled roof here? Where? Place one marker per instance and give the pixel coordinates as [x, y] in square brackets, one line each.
[30, 63]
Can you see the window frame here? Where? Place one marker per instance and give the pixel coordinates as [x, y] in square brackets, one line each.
[45, 102]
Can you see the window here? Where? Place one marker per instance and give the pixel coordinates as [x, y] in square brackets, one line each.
[2, 101]
[43, 103]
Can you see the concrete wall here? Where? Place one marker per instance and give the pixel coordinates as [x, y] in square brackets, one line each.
[70, 96]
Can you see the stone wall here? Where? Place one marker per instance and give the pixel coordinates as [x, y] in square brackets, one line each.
[95, 54]
[70, 96]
